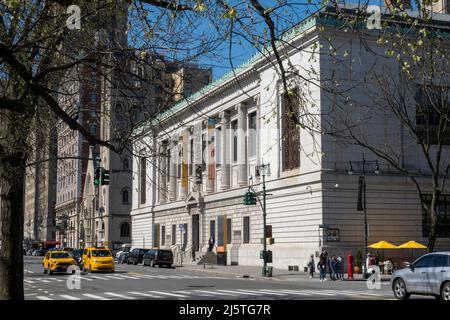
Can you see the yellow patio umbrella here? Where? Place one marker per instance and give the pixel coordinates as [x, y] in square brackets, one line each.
[382, 245]
[412, 245]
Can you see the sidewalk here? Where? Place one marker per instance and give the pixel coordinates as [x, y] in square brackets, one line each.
[255, 273]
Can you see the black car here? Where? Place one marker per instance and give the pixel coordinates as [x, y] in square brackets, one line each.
[135, 256]
[158, 257]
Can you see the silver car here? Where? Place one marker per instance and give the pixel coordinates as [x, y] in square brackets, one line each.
[428, 275]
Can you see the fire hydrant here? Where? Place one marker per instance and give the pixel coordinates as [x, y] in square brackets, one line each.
[350, 266]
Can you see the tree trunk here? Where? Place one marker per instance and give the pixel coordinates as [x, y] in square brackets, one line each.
[433, 224]
[14, 129]
[12, 170]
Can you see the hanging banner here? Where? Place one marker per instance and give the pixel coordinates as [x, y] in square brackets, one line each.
[184, 159]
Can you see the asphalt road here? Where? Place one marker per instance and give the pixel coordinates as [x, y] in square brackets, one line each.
[137, 282]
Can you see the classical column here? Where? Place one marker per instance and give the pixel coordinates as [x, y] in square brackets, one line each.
[210, 160]
[162, 173]
[225, 161]
[241, 150]
[173, 171]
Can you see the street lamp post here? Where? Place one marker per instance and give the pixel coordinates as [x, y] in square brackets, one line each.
[362, 186]
[264, 169]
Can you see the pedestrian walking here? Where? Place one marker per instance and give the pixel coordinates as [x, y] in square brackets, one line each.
[333, 268]
[321, 266]
[340, 266]
[311, 266]
[211, 242]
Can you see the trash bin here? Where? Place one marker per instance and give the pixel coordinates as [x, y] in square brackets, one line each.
[222, 259]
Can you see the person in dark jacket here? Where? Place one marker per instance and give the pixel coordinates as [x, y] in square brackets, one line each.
[211, 244]
[321, 266]
[311, 266]
[333, 268]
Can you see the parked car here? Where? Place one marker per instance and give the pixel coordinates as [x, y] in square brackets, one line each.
[39, 252]
[428, 275]
[123, 258]
[158, 257]
[124, 248]
[30, 251]
[136, 255]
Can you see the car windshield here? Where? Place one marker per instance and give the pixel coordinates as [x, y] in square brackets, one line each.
[101, 253]
[60, 255]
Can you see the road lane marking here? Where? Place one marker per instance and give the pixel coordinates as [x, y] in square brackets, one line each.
[86, 278]
[233, 292]
[93, 296]
[144, 294]
[100, 278]
[169, 294]
[118, 295]
[114, 277]
[127, 277]
[66, 296]
[43, 298]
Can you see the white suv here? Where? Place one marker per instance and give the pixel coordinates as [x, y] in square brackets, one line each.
[428, 275]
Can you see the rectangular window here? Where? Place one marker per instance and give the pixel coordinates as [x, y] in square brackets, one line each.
[246, 230]
[432, 115]
[252, 135]
[235, 140]
[191, 157]
[443, 217]
[163, 235]
[290, 134]
[228, 231]
[156, 230]
[174, 234]
[143, 177]
[212, 228]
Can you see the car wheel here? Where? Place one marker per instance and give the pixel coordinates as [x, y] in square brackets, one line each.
[445, 291]
[45, 271]
[143, 263]
[400, 291]
[50, 272]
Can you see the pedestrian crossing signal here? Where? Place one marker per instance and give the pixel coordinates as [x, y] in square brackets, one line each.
[105, 177]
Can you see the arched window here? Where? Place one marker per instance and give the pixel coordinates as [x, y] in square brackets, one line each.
[126, 163]
[125, 199]
[125, 230]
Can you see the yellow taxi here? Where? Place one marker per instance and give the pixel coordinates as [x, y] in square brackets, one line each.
[98, 259]
[57, 261]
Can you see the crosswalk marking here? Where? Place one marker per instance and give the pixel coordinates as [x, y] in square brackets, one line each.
[144, 294]
[100, 278]
[234, 292]
[249, 292]
[44, 298]
[213, 293]
[296, 292]
[118, 295]
[169, 294]
[93, 296]
[114, 277]
[127, 277]
[272, 292]
[28, 281]
[66, 296]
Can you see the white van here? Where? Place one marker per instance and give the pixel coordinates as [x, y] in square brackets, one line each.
[126, 247]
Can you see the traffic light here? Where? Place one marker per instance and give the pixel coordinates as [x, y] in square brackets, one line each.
[97, 176]
[105, 177]
[249, 198]
[198, 174]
